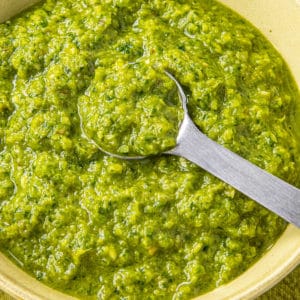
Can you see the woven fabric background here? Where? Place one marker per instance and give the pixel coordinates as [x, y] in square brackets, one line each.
[287, 289]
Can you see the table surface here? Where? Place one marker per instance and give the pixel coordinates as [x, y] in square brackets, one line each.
[287, 289]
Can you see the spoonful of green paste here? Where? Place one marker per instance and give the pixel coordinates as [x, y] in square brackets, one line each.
[189, 142]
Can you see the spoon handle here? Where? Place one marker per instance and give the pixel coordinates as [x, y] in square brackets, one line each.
[268, 190]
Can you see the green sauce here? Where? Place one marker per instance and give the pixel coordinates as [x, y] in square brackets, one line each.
[161, 228]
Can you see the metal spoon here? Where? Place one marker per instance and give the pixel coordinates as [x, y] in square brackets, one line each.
[266, 189]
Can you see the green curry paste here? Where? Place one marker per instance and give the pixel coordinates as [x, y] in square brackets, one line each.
[94, 226]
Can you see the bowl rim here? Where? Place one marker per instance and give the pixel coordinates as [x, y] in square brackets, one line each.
[266, 272]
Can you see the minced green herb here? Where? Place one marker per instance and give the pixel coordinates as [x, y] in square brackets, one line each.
[73, 72]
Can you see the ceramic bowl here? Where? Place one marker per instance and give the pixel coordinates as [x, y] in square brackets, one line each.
[280, 21]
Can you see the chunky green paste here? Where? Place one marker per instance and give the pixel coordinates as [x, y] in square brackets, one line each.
[74, 72]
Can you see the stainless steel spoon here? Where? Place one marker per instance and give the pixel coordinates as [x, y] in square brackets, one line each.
[266, 189]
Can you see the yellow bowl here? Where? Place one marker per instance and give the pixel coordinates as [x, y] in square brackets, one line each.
[280, 21]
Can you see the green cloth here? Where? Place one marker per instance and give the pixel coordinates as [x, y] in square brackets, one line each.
[287, 289]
